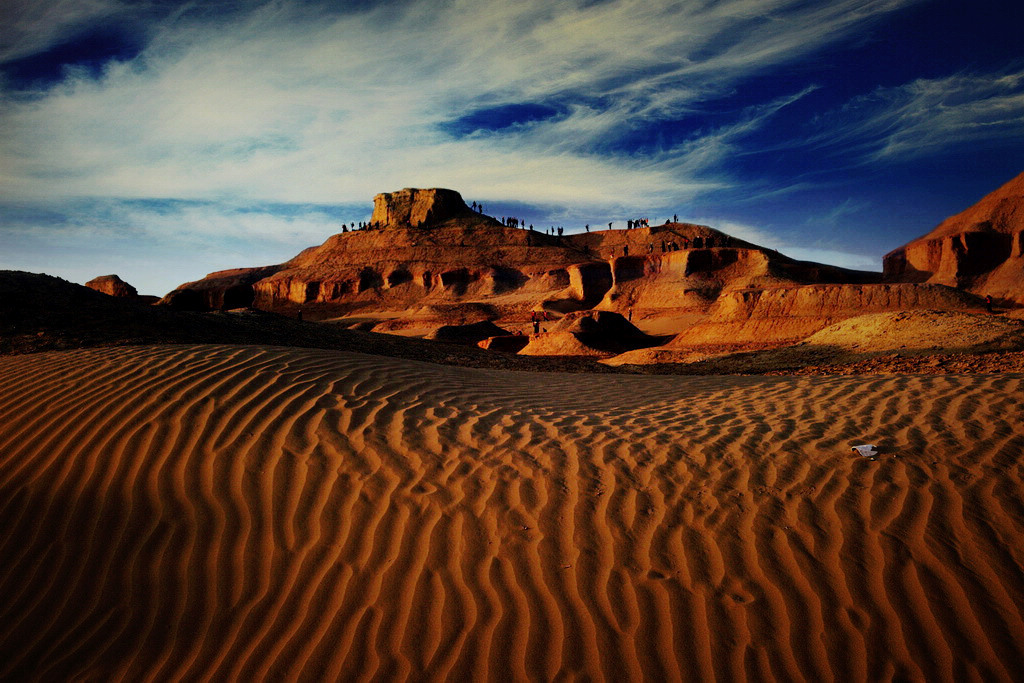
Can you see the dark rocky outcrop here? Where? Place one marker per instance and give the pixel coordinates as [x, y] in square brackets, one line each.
[220, 291]
[604, 330]
[589, 333]
[471, 334]
[507, 343]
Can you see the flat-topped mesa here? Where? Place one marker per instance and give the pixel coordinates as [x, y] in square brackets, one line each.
[428, 260]
[415, 208]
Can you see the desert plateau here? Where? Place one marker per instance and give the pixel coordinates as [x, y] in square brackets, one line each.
[594, 466]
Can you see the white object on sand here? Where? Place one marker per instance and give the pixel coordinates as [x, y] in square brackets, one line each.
[867, 450]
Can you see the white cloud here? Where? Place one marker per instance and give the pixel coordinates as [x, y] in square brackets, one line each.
[927, 116]
[184, 224]
[30, 26]
[278, 105]
[156, 247]
[835, 257]
[743, 231]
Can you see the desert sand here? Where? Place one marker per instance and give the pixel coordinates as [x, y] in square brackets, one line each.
[242, 512]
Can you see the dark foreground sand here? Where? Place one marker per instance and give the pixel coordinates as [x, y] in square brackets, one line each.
[222, 512]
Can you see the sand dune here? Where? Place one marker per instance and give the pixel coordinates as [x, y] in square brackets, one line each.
[218, 512]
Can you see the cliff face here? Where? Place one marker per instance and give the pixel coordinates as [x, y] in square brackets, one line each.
[817, 301]
[428, 260]
[588, 333]
[979, 250]
[112, 285]
[222, 290]
[779, 315]
[418, 208]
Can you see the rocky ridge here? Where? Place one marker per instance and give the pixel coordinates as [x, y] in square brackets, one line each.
[979, 250]
[430, 259]
[426, 264]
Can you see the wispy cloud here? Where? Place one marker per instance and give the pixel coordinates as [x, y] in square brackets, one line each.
[31, 26]
[294, 104]
[802, 251]
[157, 245]
[929, 116]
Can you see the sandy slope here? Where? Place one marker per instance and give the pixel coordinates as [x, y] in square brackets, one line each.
[255, 512]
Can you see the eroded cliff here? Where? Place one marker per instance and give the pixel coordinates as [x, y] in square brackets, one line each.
[978, 250]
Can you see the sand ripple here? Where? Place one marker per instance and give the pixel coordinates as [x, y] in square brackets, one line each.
[214, 512]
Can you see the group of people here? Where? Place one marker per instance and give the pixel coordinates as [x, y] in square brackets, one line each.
[697, 242]
[361, 226]
[513, 222]
[520, 223]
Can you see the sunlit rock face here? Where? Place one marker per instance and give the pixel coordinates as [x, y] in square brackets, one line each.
[417, 208]
[425, 261]
[979, 250]
[112, 285]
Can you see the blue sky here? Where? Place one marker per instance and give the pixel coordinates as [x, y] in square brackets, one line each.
[162, 139]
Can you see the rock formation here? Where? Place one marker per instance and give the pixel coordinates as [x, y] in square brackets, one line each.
[588, 333]
[220, 291]
[470, 334]
[781, 315]
[980, 250]
[920, 330]
[426, 263]
[111, 285]
[506, 343]
[429, 260]
[415, 208]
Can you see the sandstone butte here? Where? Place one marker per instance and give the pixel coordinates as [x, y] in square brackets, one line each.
[111, 285]
[980, 250]
[430, 261]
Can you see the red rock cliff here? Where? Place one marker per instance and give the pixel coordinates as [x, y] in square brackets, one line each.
[418, 208]
[112, 285]
[979, 250]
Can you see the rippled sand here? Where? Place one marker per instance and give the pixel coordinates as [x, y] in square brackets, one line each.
[216, 512]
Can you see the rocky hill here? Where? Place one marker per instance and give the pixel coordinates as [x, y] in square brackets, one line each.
[112, 285]
[426, 259]
[426, 264]
[980, 250]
